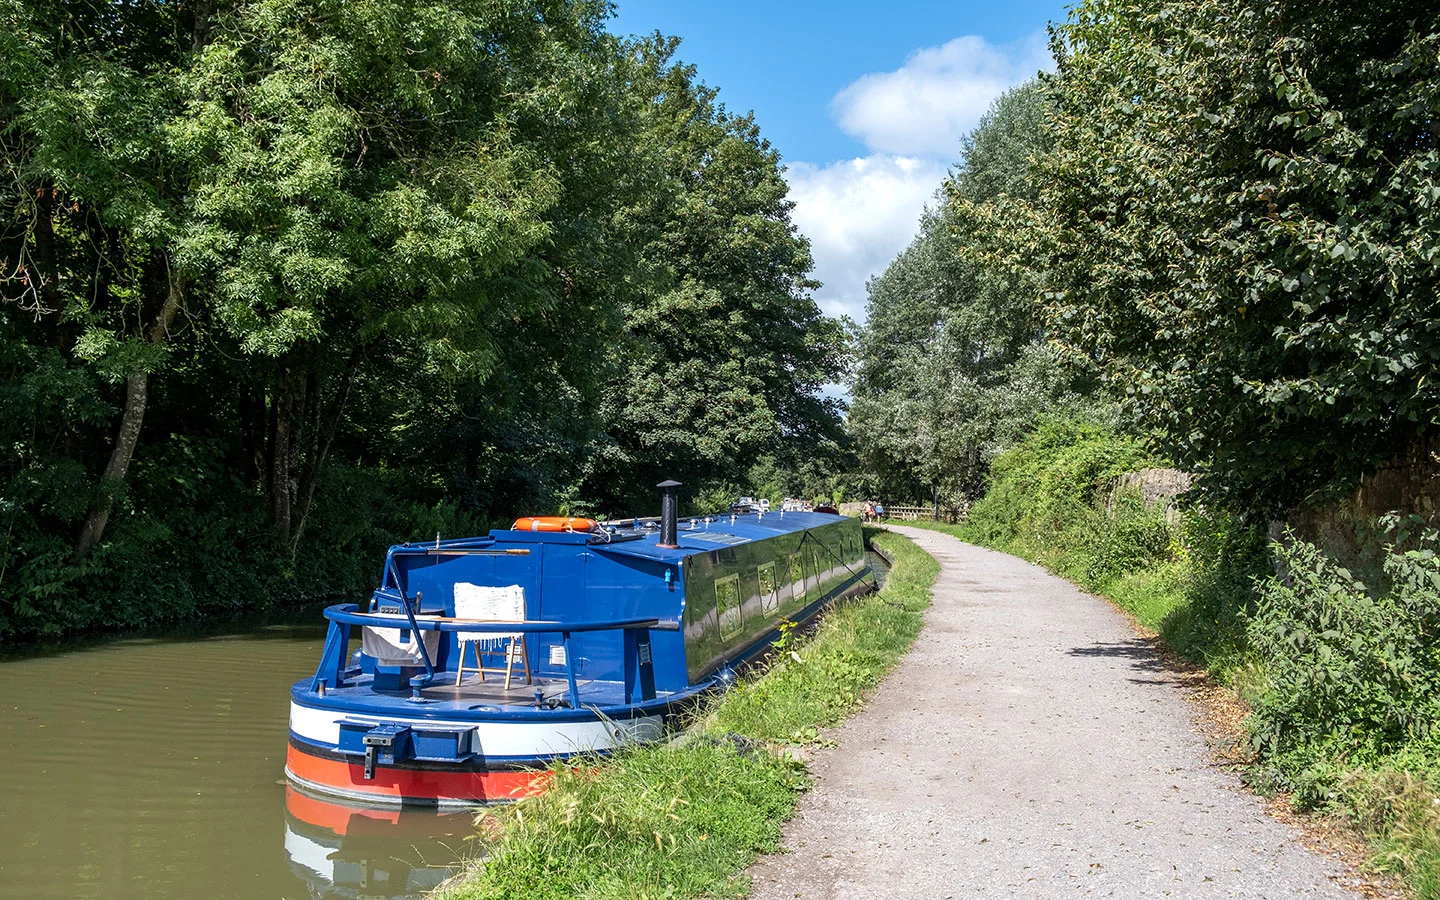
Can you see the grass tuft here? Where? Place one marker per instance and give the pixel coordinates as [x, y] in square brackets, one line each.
[1400, 813]
[656, 821]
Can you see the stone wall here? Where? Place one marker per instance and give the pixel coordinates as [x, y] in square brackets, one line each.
[1156, 485]
[1407, 484]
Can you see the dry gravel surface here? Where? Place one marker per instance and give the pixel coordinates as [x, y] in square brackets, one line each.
[1031, 745]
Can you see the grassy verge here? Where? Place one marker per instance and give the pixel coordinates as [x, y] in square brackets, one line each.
[1340, 672]
[685, 819]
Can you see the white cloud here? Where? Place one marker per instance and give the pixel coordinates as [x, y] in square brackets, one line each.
[859, 214]
[924, 107]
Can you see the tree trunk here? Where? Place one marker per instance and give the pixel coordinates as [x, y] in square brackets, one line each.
[252, 432]
[44, 278]
[283, 404]
[200, 29]
[137, 396]
[321, 437]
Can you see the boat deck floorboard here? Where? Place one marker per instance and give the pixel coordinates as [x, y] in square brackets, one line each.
[472, 693]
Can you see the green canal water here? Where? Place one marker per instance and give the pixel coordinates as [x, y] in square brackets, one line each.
[879, 566]
[155, 769]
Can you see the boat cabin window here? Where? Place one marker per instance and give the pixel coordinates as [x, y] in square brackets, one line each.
[727, 605]
[769, 595]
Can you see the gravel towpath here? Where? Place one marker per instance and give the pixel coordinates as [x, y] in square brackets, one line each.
[1030, 745]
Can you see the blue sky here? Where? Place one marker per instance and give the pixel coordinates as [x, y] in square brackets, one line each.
[866, 103]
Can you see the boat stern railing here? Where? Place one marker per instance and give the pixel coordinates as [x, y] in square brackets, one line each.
[639, 669]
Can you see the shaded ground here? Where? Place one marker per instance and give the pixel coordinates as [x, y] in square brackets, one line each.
[1030, 745]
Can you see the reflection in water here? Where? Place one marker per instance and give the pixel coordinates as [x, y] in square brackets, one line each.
[878, 566]
[154, 770]
[347, 852]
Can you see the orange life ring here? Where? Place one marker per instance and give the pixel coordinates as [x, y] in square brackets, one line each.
[553, 523]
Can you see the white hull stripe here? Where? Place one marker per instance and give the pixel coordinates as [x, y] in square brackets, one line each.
[493, 739]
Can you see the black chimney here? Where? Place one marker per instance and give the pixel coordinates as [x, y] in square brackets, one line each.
[670, 515]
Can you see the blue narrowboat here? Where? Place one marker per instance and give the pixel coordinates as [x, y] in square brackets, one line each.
[482, 660]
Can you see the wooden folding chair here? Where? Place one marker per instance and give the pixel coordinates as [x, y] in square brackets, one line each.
[491, 604]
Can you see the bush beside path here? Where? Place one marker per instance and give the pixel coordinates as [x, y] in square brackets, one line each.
[1031, 745]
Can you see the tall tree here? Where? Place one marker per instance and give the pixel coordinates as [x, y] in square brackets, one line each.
[377, 177]
[727, 350]
[953, 359]
[1238, 222]
[91, 242]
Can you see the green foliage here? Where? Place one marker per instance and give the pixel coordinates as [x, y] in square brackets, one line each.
[1345, 713]
[1236, 220]
[953, 363]
[282, 282]
[1220, 558]
[175, 561]
[1045, 489]
[728, 352]
[718, 497]
[1353, 672]
[827, 473]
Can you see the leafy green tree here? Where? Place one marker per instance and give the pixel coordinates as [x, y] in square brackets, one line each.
[727, 350]
[373, 179]
[92, 269]
[954, 365]
[1237, 222]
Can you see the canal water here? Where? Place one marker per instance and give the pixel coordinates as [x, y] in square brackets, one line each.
[155, 769]
[878, 565]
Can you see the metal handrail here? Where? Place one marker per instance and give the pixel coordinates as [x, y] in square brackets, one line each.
[349, 613]
[345, 614]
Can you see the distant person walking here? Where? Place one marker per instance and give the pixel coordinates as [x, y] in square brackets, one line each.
[869, 511]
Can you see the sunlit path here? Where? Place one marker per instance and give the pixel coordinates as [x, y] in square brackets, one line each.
[1030, 746]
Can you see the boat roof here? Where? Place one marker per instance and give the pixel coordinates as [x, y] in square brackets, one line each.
[697, 534]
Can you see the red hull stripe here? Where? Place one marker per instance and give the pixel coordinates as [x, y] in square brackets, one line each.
[419, 786]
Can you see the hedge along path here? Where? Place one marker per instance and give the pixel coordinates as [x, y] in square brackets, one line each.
[1030, 745]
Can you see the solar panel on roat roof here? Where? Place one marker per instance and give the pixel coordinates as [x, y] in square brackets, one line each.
[716, 537]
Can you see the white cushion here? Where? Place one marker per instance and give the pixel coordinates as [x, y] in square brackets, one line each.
[385, 646]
